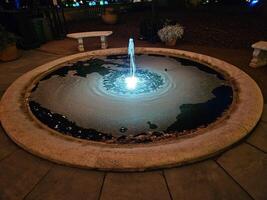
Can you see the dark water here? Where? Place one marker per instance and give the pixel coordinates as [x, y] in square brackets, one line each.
[202, 114]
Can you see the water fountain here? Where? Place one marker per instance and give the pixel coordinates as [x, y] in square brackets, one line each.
[98, 110]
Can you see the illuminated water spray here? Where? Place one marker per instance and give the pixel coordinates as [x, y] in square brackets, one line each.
[132, 80]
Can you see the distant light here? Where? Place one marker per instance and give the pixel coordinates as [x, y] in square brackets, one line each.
[131, 82]
[92, 3]
[253, 2]
[17, 4]
[76, 4]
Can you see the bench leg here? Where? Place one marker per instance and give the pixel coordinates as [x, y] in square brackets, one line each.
[259, 58]
[80, 44]
[104, 42]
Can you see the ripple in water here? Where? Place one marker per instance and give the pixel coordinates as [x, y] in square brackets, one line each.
[147, 82]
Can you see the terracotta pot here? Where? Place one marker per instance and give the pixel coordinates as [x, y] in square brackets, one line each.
[109, 17]
[9, 53]
[171, 43]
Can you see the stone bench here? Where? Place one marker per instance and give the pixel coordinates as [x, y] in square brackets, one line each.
[259, 54]
[102, 34]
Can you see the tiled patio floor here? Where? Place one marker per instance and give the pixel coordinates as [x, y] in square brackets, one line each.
[239, 173]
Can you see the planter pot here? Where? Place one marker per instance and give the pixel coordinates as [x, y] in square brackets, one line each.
[171, 43]
[109, 17]
[9, 53]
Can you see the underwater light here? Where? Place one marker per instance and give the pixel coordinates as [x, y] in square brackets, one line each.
[131, 82]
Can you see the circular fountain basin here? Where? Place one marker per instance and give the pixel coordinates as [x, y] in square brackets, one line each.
[78, 110]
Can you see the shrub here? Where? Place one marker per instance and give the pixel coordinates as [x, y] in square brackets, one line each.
[171, 32]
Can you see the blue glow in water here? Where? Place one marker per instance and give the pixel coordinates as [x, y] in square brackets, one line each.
[131, 82]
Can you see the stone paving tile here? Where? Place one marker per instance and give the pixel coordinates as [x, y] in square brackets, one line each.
[137, 186]
[6, 145]
[248, 166]
[10, 71]
[68, 183]
[64, 47]
[6, 80]
[19, 173]
[258, 137]
[27, 61]
[205, 180]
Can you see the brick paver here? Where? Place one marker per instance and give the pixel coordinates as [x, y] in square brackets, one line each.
[248, 166]
[68, 183]
[204, 180]
[258, 137]
[19, 173]
[122, 186]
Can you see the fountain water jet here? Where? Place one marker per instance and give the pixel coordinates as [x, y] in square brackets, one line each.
[132, 80]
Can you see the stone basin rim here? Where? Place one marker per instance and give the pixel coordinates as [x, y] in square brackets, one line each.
[43, 142]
